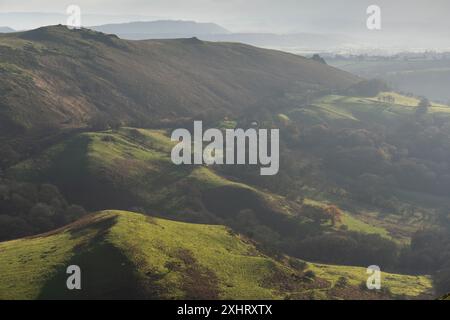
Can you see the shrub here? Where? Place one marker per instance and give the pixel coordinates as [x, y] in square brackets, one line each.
[341, 282]
[310, 274]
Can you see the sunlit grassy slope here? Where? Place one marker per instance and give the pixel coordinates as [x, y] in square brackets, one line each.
[374, 109]
[131, 168]
[130, 152]
[128, 255]
[127, 168]
[351, 222]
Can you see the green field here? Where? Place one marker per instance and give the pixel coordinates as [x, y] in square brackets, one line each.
[336, 108]
[352, 223]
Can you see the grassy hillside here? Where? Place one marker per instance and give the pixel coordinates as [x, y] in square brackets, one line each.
[370, 110]
[124, 168]
[131, 169]
[127, 255]
[54, 77]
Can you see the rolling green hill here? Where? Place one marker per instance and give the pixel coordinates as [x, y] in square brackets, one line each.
[130, 167]
[53, 77]
[348, 110]
[127, 255]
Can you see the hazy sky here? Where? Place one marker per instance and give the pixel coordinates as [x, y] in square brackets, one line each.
[279, 16]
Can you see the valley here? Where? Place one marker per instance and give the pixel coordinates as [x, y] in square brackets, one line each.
[87, 177]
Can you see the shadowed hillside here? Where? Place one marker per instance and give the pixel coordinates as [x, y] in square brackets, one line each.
[56, 77]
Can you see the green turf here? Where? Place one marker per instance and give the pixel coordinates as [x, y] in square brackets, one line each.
[351, 222]
[334, 107]
[354, 224]
[28, 264]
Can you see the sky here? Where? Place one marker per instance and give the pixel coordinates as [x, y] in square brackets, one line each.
[277, 16]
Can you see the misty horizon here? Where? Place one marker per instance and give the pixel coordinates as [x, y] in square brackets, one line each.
[399, 19]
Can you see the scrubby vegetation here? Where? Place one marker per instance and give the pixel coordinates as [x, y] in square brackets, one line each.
[27, 209]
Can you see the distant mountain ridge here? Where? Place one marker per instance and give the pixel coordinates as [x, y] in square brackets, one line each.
[170, 29]
[6, 30]
[161, 27]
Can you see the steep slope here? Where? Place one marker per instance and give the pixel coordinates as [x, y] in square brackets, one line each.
[127, 255]
[54, 77]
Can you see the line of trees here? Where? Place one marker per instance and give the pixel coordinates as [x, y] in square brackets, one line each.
[27, 209]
